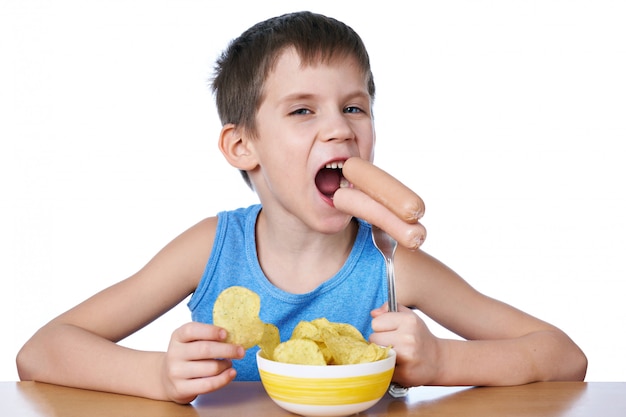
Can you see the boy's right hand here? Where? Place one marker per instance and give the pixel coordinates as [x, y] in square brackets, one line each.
[198, 361]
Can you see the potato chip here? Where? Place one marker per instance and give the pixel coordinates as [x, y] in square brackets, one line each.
[347, 350]
[237, 310]
[299, 351]
[306, 330]
[382, 352]
[321, 323]
[345, 329]
[328, 356]
[311, 330]
[269, 341]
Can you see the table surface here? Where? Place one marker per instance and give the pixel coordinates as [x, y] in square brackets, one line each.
[566, 399]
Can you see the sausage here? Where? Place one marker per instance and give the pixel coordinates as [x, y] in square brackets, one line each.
[358, 204]
[384, 188]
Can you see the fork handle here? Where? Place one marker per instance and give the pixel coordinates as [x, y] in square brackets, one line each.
[395, 390]
[391, 287]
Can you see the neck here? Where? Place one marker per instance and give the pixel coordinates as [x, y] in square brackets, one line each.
[298, 261]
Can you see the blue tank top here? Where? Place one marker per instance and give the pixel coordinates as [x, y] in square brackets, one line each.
[347, 297]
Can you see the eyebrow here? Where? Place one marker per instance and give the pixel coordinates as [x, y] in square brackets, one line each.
[297, 96]
[307, 96]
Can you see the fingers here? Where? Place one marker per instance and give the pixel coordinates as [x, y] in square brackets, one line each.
[198, 361]
[198, 341]
[184, 371]
[358, 204]
[380, 310]
[185, 390]
[384, 188]
[193, 331]
[389, 322]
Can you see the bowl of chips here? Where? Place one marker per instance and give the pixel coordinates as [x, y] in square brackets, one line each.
[326, 369]
[332, 390]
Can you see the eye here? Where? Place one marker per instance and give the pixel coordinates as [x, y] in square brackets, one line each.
[352, 109]
[302, 111]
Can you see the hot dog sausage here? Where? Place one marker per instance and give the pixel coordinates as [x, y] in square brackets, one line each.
[384, 188]
[359, 204]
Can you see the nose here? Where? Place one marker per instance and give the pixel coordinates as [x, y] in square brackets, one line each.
[336, 127]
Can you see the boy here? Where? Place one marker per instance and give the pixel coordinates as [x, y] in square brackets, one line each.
[295, 96]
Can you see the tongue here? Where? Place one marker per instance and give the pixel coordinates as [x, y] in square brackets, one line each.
[327, 181]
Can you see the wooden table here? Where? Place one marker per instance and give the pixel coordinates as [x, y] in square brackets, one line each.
[566, 399]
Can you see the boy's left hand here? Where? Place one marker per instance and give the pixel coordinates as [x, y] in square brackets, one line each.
[382, 200]
[416, 347]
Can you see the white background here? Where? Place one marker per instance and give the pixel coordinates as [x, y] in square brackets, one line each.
[507, 117]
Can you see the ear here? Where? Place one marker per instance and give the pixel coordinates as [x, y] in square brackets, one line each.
[237, 147]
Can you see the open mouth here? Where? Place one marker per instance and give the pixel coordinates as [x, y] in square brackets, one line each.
[330, 178]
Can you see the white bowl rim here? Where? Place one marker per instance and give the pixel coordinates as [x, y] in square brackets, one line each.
[329, 371]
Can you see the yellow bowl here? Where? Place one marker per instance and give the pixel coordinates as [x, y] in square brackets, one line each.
[331, 391]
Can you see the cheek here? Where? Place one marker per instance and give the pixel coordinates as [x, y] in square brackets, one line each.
[367, 148]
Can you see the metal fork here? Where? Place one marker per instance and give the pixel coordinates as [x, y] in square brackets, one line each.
[387, 245]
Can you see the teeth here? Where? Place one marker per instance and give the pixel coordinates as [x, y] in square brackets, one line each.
[335, 165]
[344, 183]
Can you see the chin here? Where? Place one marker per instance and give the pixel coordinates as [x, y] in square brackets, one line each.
[336, 224]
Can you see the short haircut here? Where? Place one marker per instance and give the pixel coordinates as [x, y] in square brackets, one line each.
[243, 67]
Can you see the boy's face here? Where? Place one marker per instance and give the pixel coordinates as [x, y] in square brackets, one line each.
[310, 116]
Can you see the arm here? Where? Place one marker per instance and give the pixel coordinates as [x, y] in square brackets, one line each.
[503, 346]
[79, 348]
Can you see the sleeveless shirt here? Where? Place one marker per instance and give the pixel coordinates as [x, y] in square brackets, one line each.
[347, 297]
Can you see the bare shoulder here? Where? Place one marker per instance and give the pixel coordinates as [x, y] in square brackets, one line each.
[175, 271]
[185, 257]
